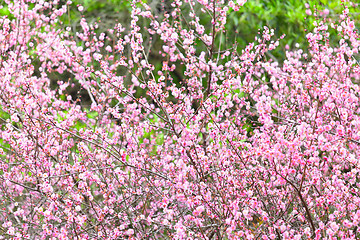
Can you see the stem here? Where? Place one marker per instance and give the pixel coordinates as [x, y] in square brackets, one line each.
[211, 50]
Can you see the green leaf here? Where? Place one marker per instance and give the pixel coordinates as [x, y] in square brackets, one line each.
[160, 139]
[92, 114]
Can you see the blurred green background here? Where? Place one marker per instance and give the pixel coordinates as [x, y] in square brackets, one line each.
[294, 18]
[285, 17]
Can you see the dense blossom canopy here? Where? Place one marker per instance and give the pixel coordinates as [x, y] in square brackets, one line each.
[240, 146]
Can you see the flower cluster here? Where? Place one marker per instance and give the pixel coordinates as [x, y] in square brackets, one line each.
[194, 139]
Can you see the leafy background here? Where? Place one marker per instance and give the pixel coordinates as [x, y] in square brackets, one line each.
[287, 18]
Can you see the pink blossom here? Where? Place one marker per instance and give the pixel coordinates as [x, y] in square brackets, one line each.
[241, 2]
[198, 210]
[138, 153]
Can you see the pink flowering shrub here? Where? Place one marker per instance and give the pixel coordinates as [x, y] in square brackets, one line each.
[241, 147]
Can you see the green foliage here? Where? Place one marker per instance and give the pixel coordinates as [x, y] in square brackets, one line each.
[285, 17]
[118, 5]
[92, 115]
[5, 146]
[4, 115]
[4, 11]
